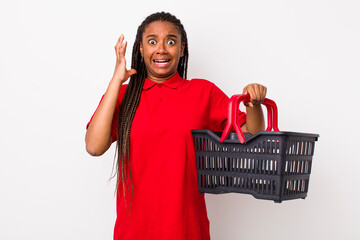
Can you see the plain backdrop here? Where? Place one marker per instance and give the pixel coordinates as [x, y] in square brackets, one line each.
[57, 57]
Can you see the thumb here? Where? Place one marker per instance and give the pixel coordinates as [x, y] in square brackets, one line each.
[247, 104]
[132, 72]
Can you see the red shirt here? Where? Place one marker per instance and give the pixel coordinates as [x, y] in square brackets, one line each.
[166, 202]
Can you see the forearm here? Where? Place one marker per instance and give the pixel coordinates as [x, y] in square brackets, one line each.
[254, 120]
[98, 135]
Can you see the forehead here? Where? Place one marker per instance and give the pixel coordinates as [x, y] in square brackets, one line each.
[160, 28]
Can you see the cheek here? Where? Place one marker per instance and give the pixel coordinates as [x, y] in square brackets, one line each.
[176, 53]
[149, 53]
[146, 56]
[147, 62]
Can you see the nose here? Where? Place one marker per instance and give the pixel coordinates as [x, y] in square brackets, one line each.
[161, 48]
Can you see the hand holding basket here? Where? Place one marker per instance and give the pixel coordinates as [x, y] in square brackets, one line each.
[271, 165]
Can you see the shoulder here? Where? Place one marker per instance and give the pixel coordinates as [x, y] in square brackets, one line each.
[202, 84]
[200, 81]
[206, 85]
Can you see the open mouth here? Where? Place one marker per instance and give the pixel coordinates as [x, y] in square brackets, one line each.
[161, 62]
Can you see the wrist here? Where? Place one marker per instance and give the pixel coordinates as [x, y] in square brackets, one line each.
[254, 109]
[117, 79]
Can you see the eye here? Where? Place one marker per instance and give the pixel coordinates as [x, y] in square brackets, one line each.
[152, 42]
[171, 42]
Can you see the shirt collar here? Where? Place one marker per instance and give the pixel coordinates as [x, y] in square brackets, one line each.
[172, 82]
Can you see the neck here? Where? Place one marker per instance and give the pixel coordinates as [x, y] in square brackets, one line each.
[159, 79]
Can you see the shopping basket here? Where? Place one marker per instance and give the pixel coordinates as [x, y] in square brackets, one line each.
[272, 165]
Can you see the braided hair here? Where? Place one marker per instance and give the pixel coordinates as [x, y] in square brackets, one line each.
[132, 95]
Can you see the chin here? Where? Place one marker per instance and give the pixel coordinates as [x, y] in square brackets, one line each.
[163, 74]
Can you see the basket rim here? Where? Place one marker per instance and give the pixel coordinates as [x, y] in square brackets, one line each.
[250, 137]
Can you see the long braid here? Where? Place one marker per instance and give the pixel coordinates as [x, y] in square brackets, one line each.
[132, 96]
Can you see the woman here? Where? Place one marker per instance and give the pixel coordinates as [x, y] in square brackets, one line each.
[151, 118]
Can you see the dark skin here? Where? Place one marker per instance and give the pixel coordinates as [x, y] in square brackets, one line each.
[98, 135]
[161, 48]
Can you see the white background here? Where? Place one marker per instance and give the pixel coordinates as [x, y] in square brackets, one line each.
[57, 57]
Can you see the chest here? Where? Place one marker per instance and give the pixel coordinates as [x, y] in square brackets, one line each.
[166, 113]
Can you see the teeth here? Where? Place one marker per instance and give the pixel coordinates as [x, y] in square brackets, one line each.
[161, 61]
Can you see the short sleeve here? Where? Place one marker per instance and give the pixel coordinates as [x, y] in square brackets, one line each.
[219, 110]
[116, 113]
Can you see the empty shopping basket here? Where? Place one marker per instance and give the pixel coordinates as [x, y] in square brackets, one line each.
[272, 165]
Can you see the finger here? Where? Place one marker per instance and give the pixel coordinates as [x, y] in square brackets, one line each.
[121, 39]
[119, 42]
[264, 93]
[253, 95]
[118, 45]
[247, 91]
[123, 48]
[257, 94]
[251, 92]
[244, 91]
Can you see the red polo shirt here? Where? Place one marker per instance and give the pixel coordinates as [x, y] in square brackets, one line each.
[166, 202]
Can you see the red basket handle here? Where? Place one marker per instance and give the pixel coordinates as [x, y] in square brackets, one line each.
[233, 115]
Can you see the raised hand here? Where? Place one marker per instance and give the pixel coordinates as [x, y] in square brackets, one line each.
[98, 135]
[257, 94]
[121, 74]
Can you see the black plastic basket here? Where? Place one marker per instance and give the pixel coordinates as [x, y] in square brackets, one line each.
[269, 165]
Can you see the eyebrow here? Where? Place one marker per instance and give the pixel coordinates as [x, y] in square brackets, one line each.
[154, 35]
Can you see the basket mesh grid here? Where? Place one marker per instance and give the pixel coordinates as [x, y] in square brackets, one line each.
[271, 166]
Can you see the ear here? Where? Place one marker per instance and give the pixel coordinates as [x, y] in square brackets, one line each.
[141, 49]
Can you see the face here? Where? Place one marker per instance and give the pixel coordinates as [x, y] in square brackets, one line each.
[161, 48]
